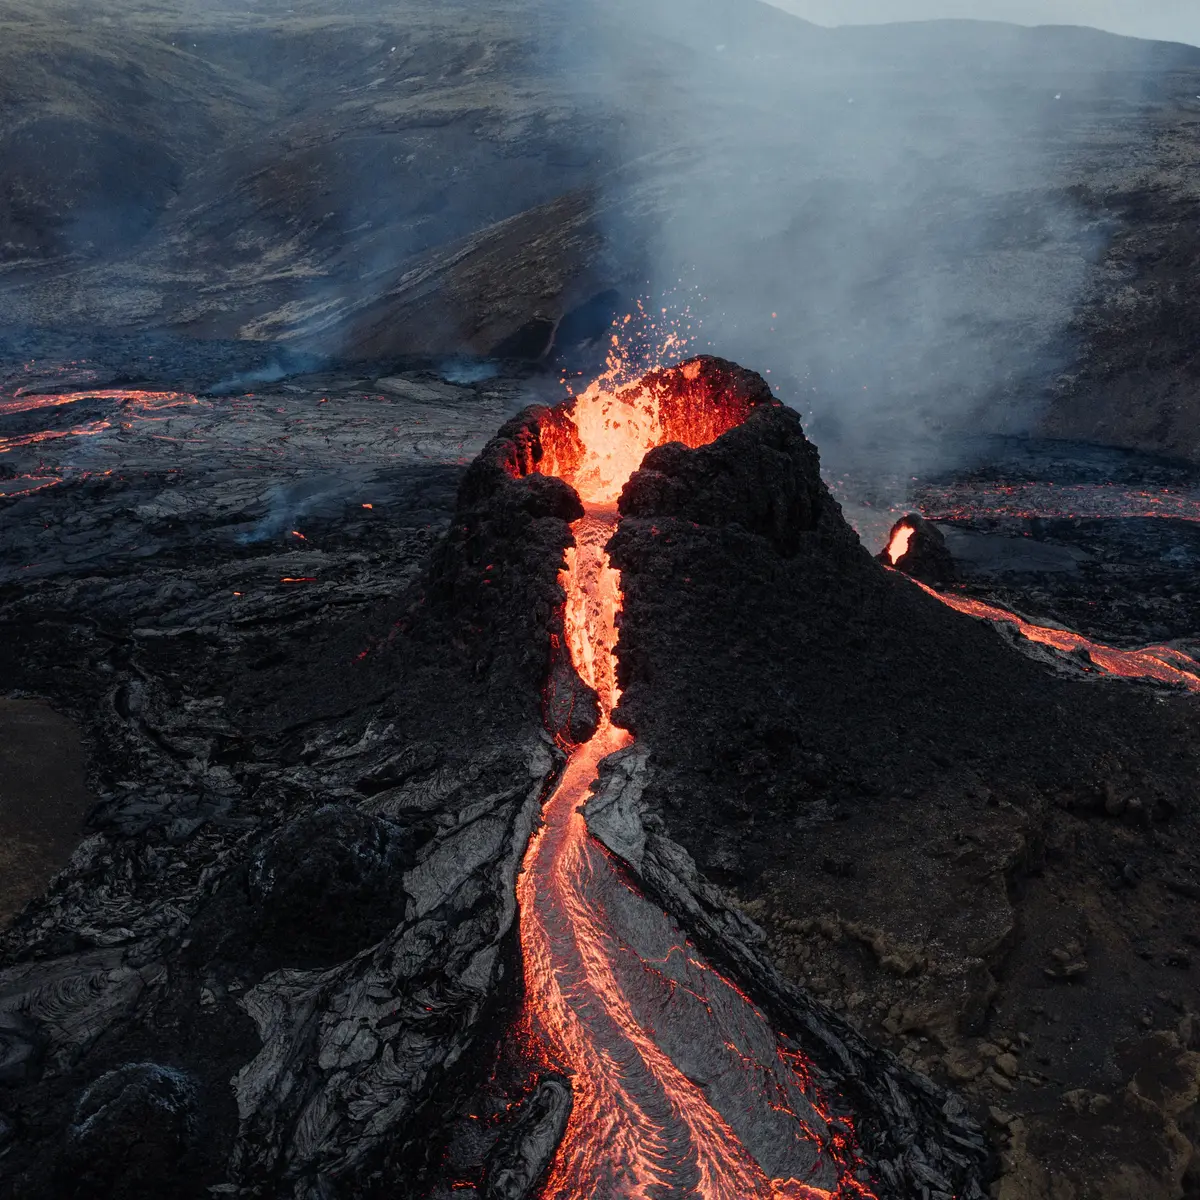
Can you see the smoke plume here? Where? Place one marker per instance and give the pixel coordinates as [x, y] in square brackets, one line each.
[896, 222]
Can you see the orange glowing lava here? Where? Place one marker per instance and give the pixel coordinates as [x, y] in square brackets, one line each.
[148, 401]
[601, 441]
[1163, 663]
[898, 546]
[26, 485]
[132, 403]
[672, 1067]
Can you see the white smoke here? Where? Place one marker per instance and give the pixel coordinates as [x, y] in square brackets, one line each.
[894, 221]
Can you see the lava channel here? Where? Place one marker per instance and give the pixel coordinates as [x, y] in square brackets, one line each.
[681, 1085]
[1162, 663]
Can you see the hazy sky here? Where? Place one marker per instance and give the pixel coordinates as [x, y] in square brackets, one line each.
[1171, 20]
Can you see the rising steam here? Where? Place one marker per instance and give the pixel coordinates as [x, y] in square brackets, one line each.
[887, 219]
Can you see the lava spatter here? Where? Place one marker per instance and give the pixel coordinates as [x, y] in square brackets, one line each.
[681, 1086]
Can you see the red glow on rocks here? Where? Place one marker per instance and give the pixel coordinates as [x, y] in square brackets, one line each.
[149, 401]
[26, 485]
[1163, 663]
[133, 403]
[1048, 501]
[600, 438]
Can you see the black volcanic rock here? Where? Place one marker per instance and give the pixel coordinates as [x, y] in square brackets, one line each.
[528, 1144]
[727, 579]
[332, 929]
[298, 892]
[132, 1135]
[762, 479]
[318, 890]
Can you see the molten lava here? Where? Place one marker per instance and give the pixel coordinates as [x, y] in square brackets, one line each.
[675, 1072]
[599, 444]
[146, 401]
[1163, 663]
[901, 540]
[131, 404]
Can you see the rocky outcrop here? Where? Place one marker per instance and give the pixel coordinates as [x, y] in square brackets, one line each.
[926, 556]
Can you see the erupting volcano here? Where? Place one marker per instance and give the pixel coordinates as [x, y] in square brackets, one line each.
[681, 1086]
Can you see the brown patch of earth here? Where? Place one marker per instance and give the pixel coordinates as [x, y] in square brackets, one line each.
[43, 799]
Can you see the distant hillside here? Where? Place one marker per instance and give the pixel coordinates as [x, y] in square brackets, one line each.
[955, 222]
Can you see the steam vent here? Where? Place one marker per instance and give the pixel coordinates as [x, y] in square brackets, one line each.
[515, 900]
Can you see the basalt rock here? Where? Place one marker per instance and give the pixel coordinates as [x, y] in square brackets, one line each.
[726, 579]
[132, 1135]
[320, 888]
[761, 477]
[870, 774]
[527, 1147]
[322, 943]
[915, 1134]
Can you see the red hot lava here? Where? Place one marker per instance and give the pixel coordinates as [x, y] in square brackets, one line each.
[139, 404]
[681, 1087]
[1163, 663]
[901, 539]
[602, 439]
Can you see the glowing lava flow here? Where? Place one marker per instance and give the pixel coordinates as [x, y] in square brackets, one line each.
[898, 546]
[1163, 663]
[147, 401]
[675, 1073]
[132, 403]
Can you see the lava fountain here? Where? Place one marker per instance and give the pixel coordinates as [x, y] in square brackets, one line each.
[681, 1086]
[901, 539]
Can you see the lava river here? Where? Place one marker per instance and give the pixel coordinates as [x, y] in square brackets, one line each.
[681, 1086]
[1166, 664]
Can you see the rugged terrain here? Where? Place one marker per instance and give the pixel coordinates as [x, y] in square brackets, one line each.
[274, 654]
[954, 850]
[988, 867]
[430, 179]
